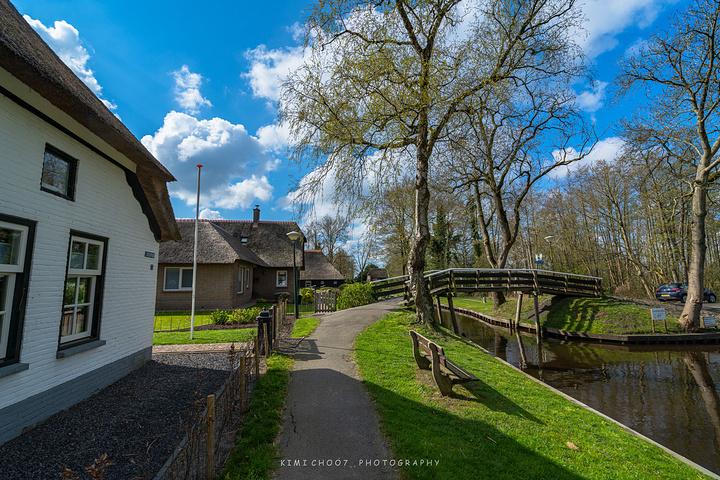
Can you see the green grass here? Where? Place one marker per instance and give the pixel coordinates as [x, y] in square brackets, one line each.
[592, 315]
[179, 320]
[505, 426]
[255, 456]
[204, 336]
[304, 326]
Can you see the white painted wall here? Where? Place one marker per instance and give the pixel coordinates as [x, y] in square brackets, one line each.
[105, 206]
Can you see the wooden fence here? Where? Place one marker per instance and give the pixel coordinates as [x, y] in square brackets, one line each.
[325, 301]
[210, 439]
[471, 280]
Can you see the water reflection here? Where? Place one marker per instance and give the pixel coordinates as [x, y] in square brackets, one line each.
[668, 393]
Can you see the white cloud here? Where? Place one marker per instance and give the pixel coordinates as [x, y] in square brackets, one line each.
[606, 19]
[208, 214]
[234, 162]
[608, 149]
[274, 137]
[269, 68]
[187, 91]
[592, 100]
[64, 39]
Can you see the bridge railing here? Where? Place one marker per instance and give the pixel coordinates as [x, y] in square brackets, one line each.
[471, 280]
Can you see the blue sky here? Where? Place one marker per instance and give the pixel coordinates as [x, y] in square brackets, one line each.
[197, 83]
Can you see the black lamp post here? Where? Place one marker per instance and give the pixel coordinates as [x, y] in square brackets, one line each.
[294, 236]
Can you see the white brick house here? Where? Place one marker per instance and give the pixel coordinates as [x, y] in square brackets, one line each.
[82, 208]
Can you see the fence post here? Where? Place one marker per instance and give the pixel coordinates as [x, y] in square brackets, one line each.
[242, 383]
[210, 439]
[257, 358]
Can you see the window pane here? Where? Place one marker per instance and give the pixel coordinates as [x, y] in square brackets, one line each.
[82, 315]
[187, 278]
[282, 279]
[9, 246]
[93, 256]
[172, 278]
[70, 285]
[55, 174]
[84, 290]
[67, 321]
[4, 280]
[77, 255]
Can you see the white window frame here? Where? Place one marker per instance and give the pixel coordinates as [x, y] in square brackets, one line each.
[11, 271]
[69, 331]
[241, 279]
[277, 279]
[180, 277]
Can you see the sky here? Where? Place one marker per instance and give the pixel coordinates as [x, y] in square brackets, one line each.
[198, 83]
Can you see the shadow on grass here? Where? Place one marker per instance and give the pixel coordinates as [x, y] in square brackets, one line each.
[575, 314]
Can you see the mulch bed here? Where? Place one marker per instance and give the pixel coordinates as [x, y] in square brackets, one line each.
[137, 421]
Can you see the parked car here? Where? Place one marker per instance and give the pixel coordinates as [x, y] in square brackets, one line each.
[678, 291]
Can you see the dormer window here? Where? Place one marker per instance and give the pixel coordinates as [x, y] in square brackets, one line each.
[243, 239]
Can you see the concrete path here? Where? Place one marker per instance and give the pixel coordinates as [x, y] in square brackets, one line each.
[331, 429]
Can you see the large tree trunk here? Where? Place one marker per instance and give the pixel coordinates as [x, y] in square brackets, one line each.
[421, 239]
[690, 318]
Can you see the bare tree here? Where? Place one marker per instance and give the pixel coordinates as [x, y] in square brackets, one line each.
[680, 67]
[328, 234]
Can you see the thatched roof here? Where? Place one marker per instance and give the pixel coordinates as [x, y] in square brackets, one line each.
[377, 274]
[317, 267]
[268, 240]
[215, 245]
[29, 59]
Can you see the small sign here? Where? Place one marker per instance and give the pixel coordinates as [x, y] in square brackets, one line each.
[150, 254]
[658, 313]
[539, 262]
[709, 322]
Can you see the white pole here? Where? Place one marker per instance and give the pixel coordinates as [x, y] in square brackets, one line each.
[197, 214]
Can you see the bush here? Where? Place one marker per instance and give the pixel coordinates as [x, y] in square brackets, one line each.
[354, 295]
[246, 315]
[308, 296]
[220, 317]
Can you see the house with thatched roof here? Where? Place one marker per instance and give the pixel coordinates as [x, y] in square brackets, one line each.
[238, 261]
[319, 272]
[376, 274]
[84, 206]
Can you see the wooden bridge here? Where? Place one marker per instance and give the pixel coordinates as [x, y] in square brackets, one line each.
[448, 283]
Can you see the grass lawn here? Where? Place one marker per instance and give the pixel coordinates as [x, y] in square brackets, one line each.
[506, 426]
[256, 455]
[591, 315]
[205, 336]
[304, 326]
[178, 320]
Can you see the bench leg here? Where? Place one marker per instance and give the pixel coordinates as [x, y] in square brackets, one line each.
[443, 381]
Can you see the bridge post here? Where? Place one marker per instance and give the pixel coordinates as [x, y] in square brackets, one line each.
[538, 330]
[516, 325]
[438, 309]
[452, 312]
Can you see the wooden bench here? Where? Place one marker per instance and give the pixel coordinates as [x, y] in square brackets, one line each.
[430, 356]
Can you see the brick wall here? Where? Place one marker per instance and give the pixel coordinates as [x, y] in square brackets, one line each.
[217, 286]
[104, 205]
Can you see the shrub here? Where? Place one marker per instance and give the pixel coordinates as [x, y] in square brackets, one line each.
[220, 317]
[354, 295]
[308, 296]
[246, 315]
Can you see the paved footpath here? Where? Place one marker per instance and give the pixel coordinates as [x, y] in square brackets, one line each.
[331, 429]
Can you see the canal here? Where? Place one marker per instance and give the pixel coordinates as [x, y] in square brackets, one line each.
[667, 393]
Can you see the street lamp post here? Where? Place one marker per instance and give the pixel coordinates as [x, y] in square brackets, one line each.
[550, 239]
[294, 236]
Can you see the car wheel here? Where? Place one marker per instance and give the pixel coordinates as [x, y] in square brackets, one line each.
[683, 299]
[712, 298]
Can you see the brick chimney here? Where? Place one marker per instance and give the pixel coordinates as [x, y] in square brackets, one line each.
[256, 215]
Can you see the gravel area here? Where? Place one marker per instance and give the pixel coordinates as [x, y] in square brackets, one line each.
[137, 421]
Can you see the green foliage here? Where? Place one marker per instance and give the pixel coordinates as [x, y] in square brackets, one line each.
[220, 317]
[506, 425]
[308, 296]
[304, 326]
[443, 242]
[245, 315]
[355, 295]
[255, 456]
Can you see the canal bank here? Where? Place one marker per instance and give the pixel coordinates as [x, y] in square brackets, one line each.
[505, 425]
[667, 393]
